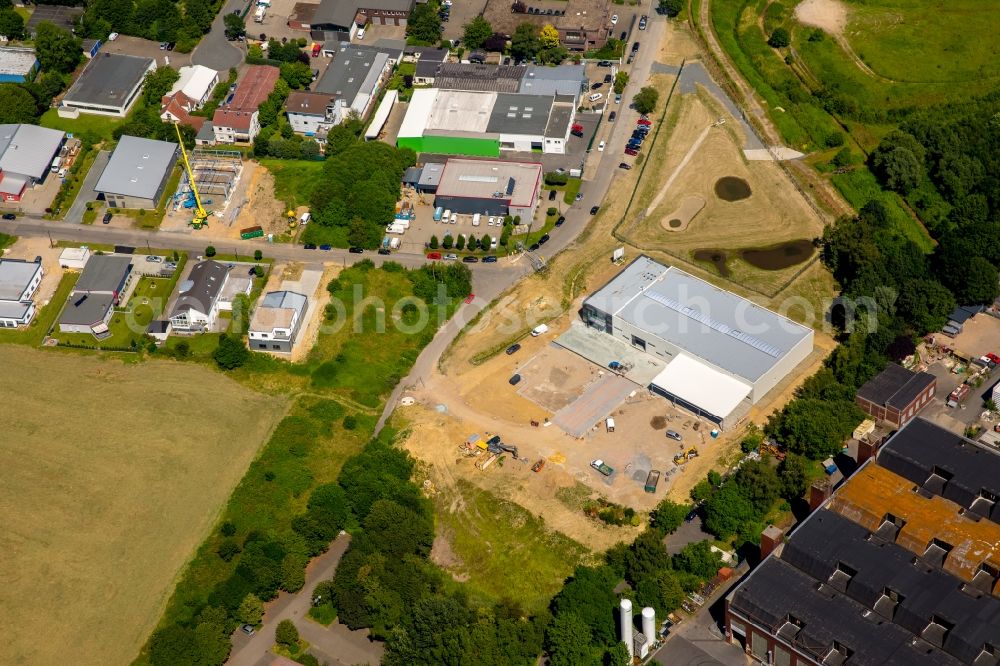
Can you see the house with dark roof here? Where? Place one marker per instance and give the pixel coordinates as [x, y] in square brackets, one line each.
[309, 112]
[896, 394]
[899, 566]
[200, 296]
[277, 321]
[237, 119]
[109, 86]
[354, 79]
[348, 15]
[103, 284]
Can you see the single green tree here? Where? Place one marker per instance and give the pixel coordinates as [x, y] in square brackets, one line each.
[250, 611]
[476, 32]
[258, 255]
[230, 353]
[672, 7]
[645, 100]
[433, 243]
[779, 39]
[460, 243]
[287, 634]
[57, 49]
[793, 476]
[210, 251]
[235, 26]
[524, 42]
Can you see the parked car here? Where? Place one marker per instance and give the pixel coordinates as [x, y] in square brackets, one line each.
[9, 216]
[644, 121]
[153, 259]
[433, 255]
[107, 218]
[544, 239]
[635, 47]
[247, 629]
[552, 197]
[624, 165]
[674, 435]
[597, 85]
[604, 63]
[631, 151]
[451, 256]
[579, 196]
[594, 209]
[600, 146]
[642, 22]
[607, 78]
[356, 250]
[614, 19]
[513, 349]
[560, 221]
[384, 250]
[612, 116]
[513, 381]
[490, 259]
[470, 259]
[325, 246]
[534, 246]
[309, 246]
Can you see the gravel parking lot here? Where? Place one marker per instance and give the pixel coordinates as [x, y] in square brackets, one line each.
[137, 46]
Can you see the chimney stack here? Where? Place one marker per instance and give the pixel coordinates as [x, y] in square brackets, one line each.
[819, 492]
[770, 538]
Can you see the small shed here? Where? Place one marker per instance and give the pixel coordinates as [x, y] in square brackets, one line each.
[74, 257]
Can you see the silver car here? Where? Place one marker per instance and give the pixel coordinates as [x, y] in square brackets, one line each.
[450, 257]
[673, 434]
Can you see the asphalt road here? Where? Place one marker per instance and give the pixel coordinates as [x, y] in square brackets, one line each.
[337, 645]
[214, 50]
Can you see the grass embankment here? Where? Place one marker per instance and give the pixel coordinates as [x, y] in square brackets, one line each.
[503, 551]
[45, 317]
[815, 91]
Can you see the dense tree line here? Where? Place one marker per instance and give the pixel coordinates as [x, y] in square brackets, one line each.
[160, 20]
[359, 189]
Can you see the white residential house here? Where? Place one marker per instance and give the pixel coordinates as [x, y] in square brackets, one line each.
[199, 303]
[18, 282]
[277, 321]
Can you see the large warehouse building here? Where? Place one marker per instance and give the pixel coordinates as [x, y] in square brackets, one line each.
[489, 187]
[722, 353]
[482, 123]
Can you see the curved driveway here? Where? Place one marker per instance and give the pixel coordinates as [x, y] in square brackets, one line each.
[214, 50]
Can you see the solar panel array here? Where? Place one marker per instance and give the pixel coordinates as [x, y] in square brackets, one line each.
[702, 318]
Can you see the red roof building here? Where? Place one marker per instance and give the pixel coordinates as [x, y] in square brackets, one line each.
[237, 119]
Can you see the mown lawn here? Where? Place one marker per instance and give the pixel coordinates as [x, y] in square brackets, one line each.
[45, 317]
[99, 128]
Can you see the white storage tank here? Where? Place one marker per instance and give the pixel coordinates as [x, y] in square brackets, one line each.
[649, 623]
[625, 625]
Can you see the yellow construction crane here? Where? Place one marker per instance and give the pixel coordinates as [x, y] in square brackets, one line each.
[200, 214]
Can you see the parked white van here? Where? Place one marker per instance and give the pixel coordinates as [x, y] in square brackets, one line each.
[475, 219]
[595, 97]
[539, 330]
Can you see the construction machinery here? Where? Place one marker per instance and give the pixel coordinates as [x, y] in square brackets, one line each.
[769, 447]
[537, 467]
[200, 214]
[684, 456]
[602, 467]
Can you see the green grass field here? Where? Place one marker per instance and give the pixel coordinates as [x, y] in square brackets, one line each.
[927, 42]
[98, 128]
[504, 551]
[293, 179]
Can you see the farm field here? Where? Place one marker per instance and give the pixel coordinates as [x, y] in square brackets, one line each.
[697, 160]
[101, 511]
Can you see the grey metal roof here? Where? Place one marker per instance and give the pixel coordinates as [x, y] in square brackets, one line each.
[201, 288]
[412, 174]
[86, 309]
[15, 276]
[895, 386]
[560, 119]
[427, 69]
[335, 13]
[921, 448]
[715, 325]
[103, 273]
[561, 80]
[349, 72]
[137, 167]
[430, 175]
[28, 149]
[478, 77]
[520, 114]
[108, 79]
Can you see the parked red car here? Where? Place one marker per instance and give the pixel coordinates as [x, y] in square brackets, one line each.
[433, 255]
[644, 121]
[629, 151]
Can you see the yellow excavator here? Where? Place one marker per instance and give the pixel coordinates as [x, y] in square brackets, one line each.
[683, 457]
[200, 214]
